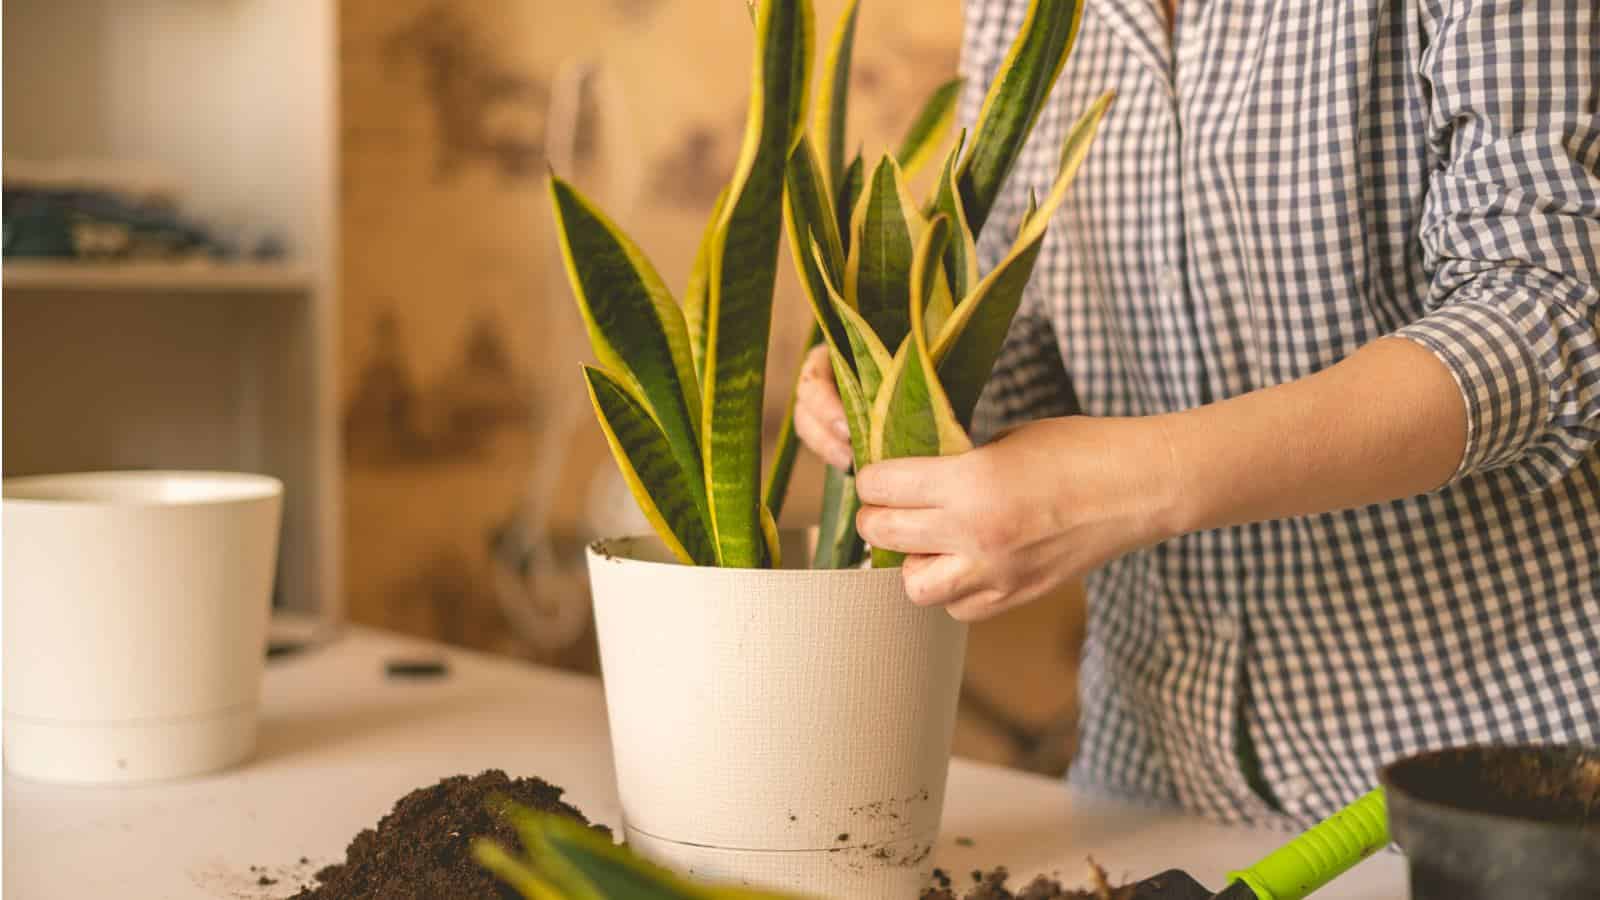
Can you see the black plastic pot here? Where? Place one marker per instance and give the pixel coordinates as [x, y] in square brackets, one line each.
[1499, 823]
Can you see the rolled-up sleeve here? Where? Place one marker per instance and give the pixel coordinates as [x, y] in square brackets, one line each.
[1029, 381]
[1511, 229]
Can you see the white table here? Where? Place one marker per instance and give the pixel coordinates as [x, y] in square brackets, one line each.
[340, 743]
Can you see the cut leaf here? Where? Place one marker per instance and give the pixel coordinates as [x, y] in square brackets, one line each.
[742, 268]
[1014, 101]
[877, 279]
[695, 294]
[838, 545]
[966, 349]
[833, 96]
[845, 198]
[635, 327]
[929, 128]
[961, 256]
[668, 496]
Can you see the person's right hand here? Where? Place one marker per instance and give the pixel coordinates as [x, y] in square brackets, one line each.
[818, 414]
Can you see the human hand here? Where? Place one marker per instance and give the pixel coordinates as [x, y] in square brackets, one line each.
[995, 527]
[818, 414]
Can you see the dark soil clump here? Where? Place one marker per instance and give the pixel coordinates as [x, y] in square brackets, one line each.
[422, 849]
[992, 886]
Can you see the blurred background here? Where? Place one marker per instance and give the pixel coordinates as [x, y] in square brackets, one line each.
[313, 239]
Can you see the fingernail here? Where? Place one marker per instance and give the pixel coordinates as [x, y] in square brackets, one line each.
[841, 428]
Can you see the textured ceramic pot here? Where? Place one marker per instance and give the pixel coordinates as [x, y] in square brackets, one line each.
[783, 728]
[136, 608]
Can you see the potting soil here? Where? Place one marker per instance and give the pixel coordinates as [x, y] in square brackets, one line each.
[422, 849]
[991, 885]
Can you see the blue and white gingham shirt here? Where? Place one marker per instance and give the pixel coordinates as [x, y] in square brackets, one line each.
[1296, 179]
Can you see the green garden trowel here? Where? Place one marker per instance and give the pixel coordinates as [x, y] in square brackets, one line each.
[1320, 854]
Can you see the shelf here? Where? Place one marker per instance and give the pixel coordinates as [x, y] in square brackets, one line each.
[165, 277]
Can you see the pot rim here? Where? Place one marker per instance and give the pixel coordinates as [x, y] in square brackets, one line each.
[98, 491]
[1387, 776]
[610, 552]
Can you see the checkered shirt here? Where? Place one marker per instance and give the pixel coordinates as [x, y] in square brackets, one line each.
[1294, 180]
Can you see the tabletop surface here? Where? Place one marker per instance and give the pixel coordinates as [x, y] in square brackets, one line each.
[340, 742]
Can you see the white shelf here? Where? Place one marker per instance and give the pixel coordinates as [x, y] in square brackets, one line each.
[166, 277]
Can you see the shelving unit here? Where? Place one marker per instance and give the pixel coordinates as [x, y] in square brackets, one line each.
[187, 364]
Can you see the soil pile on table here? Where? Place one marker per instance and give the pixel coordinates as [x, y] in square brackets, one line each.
[991, 885]
[422, 849]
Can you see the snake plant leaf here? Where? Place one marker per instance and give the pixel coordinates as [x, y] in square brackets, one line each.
[569, 861]
[808, 220]
[769, 537]
[634, 326]
[877, 280]
[966, 349]
[698, 289]
[513, 871]
[868, 354]
[781, 470]
[838, 545]
[670, 496]
[845, 198]
[929, 128]
[1014, 101]
[741, 272]
[961, 256]
[1028, 211]
[833, 95]
[912, 416]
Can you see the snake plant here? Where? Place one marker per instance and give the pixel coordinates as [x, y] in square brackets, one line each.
[564, 860]
[912, 329]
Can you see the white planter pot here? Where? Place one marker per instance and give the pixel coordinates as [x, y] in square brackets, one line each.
[782, 728]
[135, 622]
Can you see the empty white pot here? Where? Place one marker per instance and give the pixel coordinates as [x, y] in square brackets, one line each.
[783, 728]
[135, 620]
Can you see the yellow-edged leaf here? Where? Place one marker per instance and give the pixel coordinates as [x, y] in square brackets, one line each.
[885, 227]
[695, 294]
[929, 128]
[966, 348]
[868, 355]
[961, 256]
[833, 96]
[666, 494]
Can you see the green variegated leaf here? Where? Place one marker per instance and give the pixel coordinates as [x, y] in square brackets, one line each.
[961, 256]
[776, 489]
[570, 861]
[845, 198]
[695, 294]
[769, 537]
[1029, 210]
[669, 497]
[877, 280]
[930, 293]
[838, 545]
[808, 221]
[828, 122]
[635, 328]
[857, 405]
[929, 128]
[966, 348]
[912, 415]
[1014, 101]
[742, 268]
[867, 353]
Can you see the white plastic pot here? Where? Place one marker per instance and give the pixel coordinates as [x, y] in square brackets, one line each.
[788, 728]
[135, 622]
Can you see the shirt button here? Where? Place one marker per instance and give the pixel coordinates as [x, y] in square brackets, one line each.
[1224, 628]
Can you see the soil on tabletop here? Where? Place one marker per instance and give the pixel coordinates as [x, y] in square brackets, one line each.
[992, 886]
[422, 849]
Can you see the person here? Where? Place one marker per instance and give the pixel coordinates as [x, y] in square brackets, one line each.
[1306, 383]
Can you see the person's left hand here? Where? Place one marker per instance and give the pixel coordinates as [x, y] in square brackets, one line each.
[1006, 523]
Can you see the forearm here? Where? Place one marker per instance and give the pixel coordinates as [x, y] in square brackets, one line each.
[1388, 422]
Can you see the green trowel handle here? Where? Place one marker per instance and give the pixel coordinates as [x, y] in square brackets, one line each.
[1323, 853]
